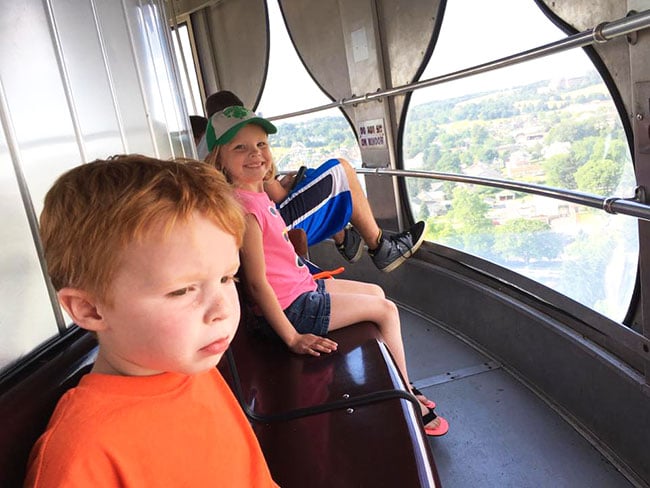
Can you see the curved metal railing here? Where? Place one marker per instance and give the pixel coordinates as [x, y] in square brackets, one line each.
[633, 206]
[602, 33]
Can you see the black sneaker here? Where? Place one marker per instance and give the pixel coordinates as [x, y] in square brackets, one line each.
[351, 248]
[396, 249]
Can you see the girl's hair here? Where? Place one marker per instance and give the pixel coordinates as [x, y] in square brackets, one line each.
[214, 160]
[93, 211]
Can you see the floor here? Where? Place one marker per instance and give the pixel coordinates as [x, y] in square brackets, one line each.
[501, 434]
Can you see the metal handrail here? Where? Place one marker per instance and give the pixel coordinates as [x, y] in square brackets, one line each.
[633, 206]
[602, 33]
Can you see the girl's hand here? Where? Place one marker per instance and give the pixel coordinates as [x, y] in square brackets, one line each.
[287, 180]
[312, 344]
[276, 190]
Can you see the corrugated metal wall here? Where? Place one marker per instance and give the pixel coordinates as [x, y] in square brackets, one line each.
[79, 80]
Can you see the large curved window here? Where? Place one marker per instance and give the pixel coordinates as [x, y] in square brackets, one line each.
[550, 122]
[308, 139]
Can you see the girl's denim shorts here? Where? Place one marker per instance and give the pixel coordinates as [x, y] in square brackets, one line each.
[309, 313]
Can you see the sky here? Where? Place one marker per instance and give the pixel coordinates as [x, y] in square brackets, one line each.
[465, 41]
[288, 85]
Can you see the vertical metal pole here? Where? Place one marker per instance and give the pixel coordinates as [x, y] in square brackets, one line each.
[147, 33]
[109, 77]
[173, 72]
[138, 70]
[389, 113]
[14, 153]
[185, 70]
[65, 78]
[640, 70]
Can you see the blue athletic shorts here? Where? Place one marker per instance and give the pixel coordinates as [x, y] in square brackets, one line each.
[309, 313]
[320, 204]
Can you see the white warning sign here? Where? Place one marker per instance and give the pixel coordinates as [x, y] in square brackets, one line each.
[372, 134]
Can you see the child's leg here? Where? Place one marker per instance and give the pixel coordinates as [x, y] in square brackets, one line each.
[362, 217]
[355, 301]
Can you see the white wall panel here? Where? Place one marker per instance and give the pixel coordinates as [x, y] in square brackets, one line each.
[82, 79]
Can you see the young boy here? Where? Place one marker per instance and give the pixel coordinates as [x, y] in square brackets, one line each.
[143, 253]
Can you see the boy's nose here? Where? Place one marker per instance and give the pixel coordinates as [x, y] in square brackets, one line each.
[219, 308]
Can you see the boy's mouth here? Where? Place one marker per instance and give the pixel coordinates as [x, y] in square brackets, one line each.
[217, 347]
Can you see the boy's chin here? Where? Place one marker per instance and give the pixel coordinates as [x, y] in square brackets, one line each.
[103, 366]
[204, 366]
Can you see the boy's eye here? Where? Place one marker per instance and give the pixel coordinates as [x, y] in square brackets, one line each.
[261, 144]
[226, 279]
[179, 293]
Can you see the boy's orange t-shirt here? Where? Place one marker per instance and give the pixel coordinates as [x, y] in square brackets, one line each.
[136, 431]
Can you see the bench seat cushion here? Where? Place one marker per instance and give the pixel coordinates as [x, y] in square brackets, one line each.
[340, 419]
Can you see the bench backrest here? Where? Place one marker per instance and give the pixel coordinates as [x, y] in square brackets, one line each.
[28, 397]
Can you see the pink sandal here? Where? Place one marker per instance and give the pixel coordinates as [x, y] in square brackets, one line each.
[440, 430]
[427, 403]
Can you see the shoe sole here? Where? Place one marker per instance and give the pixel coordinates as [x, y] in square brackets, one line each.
[358, 253]
[441, 430]
[404, 257]
[394, 264]
[357, 256]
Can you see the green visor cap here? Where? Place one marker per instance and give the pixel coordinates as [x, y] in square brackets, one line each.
[224, 124]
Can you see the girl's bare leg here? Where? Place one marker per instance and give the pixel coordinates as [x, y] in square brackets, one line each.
[354, 301]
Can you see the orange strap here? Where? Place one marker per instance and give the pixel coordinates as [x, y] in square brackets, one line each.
[328, 274]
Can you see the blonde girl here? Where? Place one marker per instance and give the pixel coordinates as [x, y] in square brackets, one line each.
[286, 298]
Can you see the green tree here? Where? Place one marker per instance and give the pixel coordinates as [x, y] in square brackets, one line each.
[584, 149]
[424, 213]
[560, 170]
[600, 147]
[448, 189]
[449, 162]
[442, 231]
[487, 153]
[479, 134]
[600, 176]
[583, 269]
[413, 186]
[430, 157]
[468, 217]
[527, 239]
[569, 130]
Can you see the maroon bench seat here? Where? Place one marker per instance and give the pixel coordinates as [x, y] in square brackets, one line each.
[342, 419]
[338, 420]
[28, 396]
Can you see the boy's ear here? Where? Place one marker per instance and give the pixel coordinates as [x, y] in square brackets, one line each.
[82, 308]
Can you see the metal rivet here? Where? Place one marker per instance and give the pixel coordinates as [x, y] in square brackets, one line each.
[632, 37]
[346, 395]
[350, 410]
[639, 116]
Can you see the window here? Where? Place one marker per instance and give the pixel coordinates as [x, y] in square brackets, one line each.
[308, 139]
[549, 122]
[185, 58]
